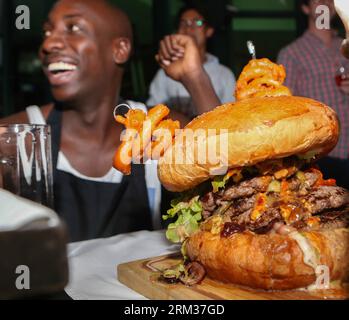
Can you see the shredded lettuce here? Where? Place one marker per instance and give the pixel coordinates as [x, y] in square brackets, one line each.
[183, 250]
[174, 272]
[301, 176]
[220, 181]
[274, 186]
[188, 215]
[308, 156]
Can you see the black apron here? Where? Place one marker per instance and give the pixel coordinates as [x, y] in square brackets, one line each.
[98, 209]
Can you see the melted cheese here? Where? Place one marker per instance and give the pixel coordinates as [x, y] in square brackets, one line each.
[217, 225]
[313, 222]
[310, 255]
[260, 207]
[285, 212]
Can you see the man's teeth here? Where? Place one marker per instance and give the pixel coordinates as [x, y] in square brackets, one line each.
[61, 66]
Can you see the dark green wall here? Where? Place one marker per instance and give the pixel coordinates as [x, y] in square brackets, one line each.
[271, 24]
[140, 13]
[263, 5]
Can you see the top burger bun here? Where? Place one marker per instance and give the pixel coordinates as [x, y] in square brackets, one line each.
[258, 129]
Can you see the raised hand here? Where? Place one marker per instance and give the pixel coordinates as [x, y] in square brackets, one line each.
[179, 57]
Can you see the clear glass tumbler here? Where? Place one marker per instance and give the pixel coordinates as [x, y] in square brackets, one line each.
[26, 162]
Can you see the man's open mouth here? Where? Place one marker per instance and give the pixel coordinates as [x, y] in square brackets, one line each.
[60, 73]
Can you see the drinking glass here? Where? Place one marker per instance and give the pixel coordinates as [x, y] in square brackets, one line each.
[26, 161]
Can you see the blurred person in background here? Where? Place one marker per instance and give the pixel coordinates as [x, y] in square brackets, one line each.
[84, 51]
[316, 69]
[194, 21]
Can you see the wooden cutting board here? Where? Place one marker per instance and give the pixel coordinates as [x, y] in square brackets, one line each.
[142, 276]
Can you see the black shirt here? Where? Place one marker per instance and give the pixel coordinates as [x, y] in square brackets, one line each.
[98, 209]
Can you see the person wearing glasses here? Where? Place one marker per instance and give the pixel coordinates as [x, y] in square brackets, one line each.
[167, 87]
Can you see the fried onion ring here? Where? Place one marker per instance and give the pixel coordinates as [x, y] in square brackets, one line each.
[141, 128]
[261, 78]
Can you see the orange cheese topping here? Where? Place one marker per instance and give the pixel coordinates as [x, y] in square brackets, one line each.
[286, 212]
[260, 206]
[236, 174]
[292, 209]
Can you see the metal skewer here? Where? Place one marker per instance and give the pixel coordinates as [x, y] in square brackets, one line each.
[251, 49]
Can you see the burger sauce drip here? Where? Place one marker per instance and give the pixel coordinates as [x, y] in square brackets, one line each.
[321, 181]
[230, 228]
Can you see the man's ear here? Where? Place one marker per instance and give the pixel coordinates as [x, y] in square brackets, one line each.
[122, 48]
[209, 32]
[305, 9]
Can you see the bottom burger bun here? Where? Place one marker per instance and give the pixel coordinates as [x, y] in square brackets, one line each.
[271, 261]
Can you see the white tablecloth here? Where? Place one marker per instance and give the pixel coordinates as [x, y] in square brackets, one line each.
[92, 264]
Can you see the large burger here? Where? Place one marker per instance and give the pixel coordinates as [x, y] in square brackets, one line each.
[271, 220]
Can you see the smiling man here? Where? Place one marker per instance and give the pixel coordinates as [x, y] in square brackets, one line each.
[85, 47]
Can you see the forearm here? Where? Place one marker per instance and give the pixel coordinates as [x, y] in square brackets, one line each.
[201, 91]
